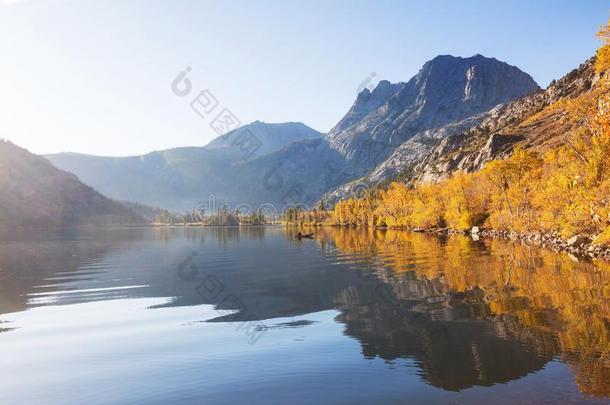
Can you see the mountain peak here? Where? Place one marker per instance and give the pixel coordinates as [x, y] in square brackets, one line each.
[271, 136]
[478, 81]
[449, 57]
[263, 137]
[448, 92]
[450, 83]
[368, 101]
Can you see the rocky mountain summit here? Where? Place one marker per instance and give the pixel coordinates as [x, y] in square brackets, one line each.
[367, 102]
[446, 90]
[447, 96]
[536, 121]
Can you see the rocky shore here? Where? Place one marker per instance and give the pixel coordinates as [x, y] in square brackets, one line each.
[578, 246]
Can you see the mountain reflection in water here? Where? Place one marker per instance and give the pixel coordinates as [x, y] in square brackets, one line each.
[467, 313]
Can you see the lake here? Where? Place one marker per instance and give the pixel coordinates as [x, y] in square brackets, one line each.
[236, 315]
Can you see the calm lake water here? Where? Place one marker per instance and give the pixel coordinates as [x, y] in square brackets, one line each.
[250, 315]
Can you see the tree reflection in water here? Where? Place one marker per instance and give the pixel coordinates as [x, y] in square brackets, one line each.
[514, 306]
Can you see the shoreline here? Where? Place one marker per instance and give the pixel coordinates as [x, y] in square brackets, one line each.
[578, 247]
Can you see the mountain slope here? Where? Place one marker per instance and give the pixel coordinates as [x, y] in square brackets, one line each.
[446, 91]
[538, 121]
[176, 179]
[283, 164]
[448, 95]
[183, 178]
[261, 138]
[33, 193]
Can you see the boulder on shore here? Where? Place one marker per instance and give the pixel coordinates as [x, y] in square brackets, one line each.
[576, 241]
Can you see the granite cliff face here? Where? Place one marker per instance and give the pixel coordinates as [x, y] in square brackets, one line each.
[537, 121]
[448, 95]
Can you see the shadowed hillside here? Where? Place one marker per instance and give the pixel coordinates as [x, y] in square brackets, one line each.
[34, 194]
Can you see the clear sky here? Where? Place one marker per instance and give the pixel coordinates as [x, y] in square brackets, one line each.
[94, 76]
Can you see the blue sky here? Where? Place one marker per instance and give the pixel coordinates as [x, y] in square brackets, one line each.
[94, 76]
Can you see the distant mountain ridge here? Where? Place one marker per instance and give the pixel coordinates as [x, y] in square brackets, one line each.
[182, 179]
[386, 129]
[261, 138]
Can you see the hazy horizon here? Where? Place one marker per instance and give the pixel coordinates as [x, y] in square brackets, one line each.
[95, 78]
